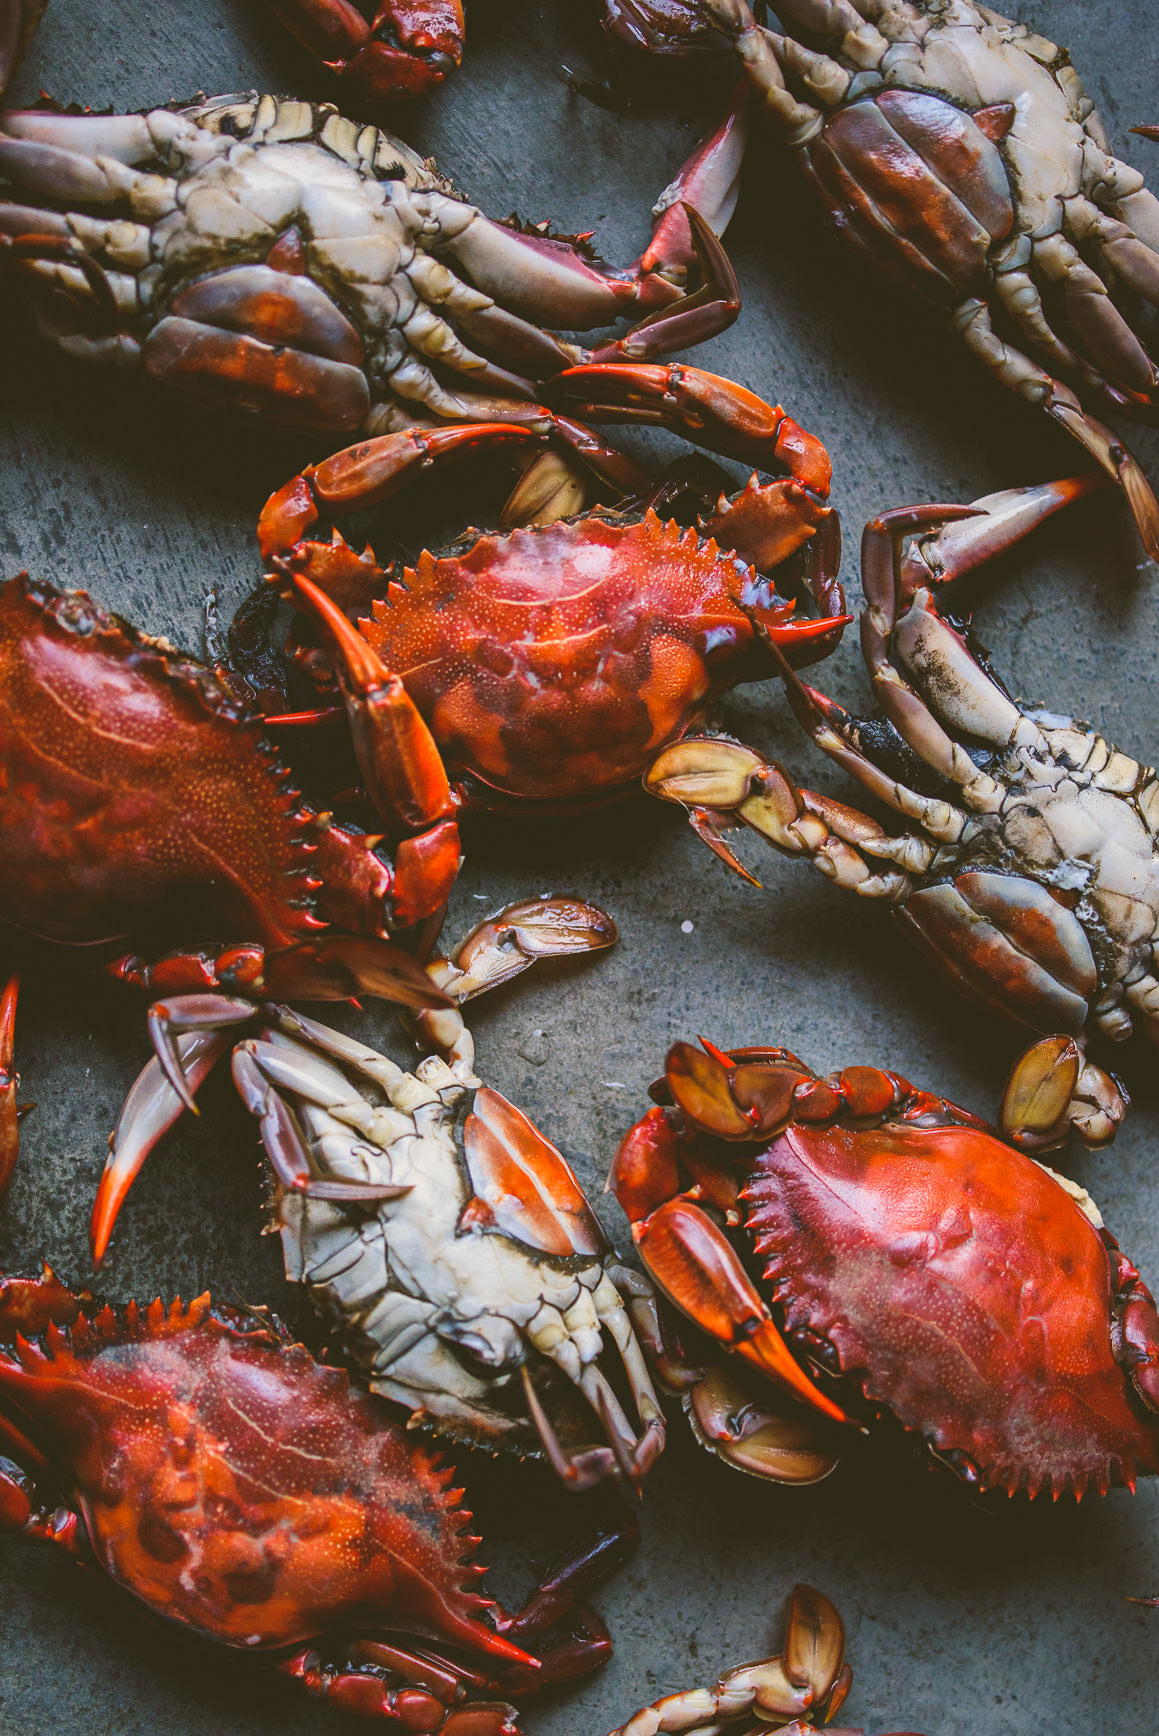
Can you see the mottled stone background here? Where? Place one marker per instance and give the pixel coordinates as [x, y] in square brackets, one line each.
[966, 1617]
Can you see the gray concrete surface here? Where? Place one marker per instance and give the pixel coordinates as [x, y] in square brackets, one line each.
[966, 1617]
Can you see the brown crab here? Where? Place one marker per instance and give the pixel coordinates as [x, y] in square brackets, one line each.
[278, 257]
[960, 151]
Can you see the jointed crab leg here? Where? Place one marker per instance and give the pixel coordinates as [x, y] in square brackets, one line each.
[805, 1686]
[9, 1085]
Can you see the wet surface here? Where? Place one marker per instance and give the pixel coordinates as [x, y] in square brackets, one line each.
[965, 1617]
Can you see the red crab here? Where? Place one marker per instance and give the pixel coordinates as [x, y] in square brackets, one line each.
[139, 800]
[248, 1493]
[552, 661]
[907, 1258]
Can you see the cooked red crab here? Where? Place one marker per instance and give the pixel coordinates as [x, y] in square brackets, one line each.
[139, 800]
[896, 1256]
[552, 661]
[237, 1487]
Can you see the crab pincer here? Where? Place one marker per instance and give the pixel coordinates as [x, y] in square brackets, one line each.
[218, 1474]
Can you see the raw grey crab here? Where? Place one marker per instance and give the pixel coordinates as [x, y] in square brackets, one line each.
[279, 257]
[428, 1218]
[1027, 867]
[960, 151]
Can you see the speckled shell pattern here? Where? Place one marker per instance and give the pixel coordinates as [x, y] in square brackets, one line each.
[551, 662]
[132, 787]
[241, 1488]
[964, 1288]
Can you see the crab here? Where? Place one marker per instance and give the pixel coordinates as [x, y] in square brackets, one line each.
[139, 798]
[800, 1690]
[429, 1220]
[280, 258]
[961, 152]
[1027, 872]
[896, 1257]
[216, 1472]
[552, 660]
[380, 48]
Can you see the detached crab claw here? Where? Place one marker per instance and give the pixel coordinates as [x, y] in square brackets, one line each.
[802, 1688]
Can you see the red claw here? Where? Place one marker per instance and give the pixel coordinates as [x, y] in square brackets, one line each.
[404, 50]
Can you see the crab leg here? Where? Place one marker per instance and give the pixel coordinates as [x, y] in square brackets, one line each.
[152, 1107]
[9, 1085]
[707, 408]
[538, 277]
[724, 784]
[804, 1686]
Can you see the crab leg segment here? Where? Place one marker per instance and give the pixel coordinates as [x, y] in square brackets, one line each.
[406, 49]
[365, 475]
[401, 765]
[707, 187]
[153, 1106]
[543, 279]
[801, 1689]
[9, 1085]
[707, 408]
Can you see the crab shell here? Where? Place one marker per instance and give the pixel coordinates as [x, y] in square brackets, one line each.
[241, 1489]
[963, 1286]
[134, 789]
[552, 662]
[969, 1288]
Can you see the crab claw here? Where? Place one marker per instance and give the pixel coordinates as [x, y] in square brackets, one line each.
[400, 762]
[501, 948]
[152, 1107]
[741, 1430]
[968, 537]
[699, 1271]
